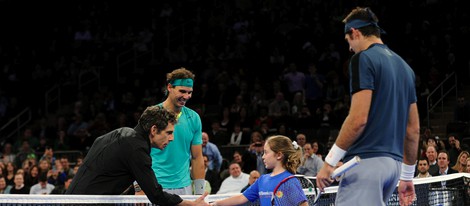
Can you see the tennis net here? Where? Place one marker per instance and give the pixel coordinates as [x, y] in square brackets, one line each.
[449, 190]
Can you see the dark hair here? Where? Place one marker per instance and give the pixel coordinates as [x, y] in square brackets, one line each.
[423, 158]
[42, 177]
[367, 15]
[158, 116]
[181, 73]
[445, 152]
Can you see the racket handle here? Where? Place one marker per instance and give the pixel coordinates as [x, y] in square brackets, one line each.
[345, 167]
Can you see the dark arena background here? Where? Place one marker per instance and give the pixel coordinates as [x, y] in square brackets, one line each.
[71, 71]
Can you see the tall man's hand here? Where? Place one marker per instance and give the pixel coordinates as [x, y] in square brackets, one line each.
[323, 177]
[406, 192]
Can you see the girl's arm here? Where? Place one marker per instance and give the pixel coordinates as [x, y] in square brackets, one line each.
[235, 200]
[304, 203]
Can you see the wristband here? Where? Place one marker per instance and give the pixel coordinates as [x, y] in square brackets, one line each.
[334, 155]
[407, 172]
[137, 187]
[199, 186]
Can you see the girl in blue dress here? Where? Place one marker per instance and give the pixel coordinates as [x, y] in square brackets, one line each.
[283, 157]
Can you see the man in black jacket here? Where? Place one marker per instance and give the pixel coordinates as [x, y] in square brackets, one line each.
[121, 156]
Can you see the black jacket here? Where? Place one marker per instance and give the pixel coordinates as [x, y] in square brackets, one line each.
[114, 161]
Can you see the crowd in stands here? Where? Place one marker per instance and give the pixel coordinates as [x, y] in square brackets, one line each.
[262, 68]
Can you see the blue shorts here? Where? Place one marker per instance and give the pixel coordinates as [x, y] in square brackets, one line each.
[372, 182]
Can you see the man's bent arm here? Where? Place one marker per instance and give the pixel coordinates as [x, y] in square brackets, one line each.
[356, 120]
[412, 136]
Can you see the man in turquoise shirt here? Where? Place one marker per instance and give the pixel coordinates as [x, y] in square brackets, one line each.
[172, 165]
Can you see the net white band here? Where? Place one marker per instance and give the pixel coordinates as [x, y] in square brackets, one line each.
[407, 172]
[335, 155]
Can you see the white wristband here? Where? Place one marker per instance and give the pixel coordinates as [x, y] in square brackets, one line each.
[407, 172]
[199, 185]
[335, 155]
[137, 187]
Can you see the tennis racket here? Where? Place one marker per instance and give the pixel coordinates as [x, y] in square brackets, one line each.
[290, 190]
[286, 192]
[345, 167]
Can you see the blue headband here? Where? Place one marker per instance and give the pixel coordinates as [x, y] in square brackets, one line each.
[357, 23]
[182, 82]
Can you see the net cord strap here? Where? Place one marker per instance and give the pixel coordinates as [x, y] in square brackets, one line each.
[454, 190]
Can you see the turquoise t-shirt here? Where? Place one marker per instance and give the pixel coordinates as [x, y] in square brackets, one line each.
[171, 165]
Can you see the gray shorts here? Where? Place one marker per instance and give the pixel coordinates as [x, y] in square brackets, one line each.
[372, 182]
[180, 191]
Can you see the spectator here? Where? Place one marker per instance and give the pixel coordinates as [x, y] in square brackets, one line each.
[42, 187]
[25, 152]
[19, 187]
[455, 148]
[436, 142]
[422, 92]
[4, 187]
[44, 166]
[462, 110]
[238, 136]
[279, 106]
[255, 136]
[327, 121]
[62, 189]
[263, 118]
[78, 126]
[62, 141]
[254, 175]
[249, 161]
[235, 182]
[226, 122]
[212, 152]
[237, 157]
[245, 120]
[304, 119]
[297, 104]
[32, 177]
[237, 106]
[64, 161]
[423, 168]
[316, 149]
[431, 155]
[443, 163]
[48, 155]
[29, 137]
[461, 164]
[218, 136]
[284, 130]
[257, 149]
[335, 89]
[10, 171]
[7, 155]
[301, 140]
[294, 80]
[79, 160]
[468, 165]
[55, 177]
[43, 143]
[311, 163]
[212, 177]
